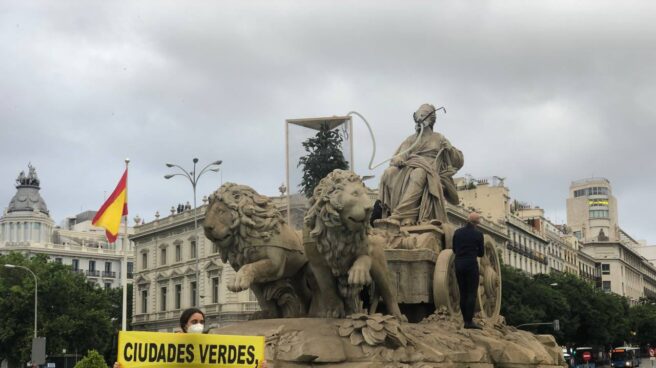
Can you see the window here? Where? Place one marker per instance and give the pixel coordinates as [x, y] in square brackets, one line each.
[144, 301]
[599, 214]
[605, 285]
[178, 253]
[178, 295]
[130, 269]
[108, 285]
[75, 264]
[92, 265]
[144, 261]
[163, 298]
[605, 269]
[162, 260]
[58, 260]
[215, 290]
[108, 266]
[591, 191]
[37, 231]
[193, 249]
[193, 293]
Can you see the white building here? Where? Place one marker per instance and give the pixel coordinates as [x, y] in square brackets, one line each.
[592, 210]
[623, 270]
[26, 227]
[592, 216]
[649, 252]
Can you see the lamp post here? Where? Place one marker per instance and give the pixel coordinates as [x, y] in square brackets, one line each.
[35, 290]
[193, 178]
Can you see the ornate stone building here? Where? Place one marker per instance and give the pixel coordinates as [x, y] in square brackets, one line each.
[26, 227]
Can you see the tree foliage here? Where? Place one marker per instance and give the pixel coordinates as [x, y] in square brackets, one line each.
[324, 154]
[587, 316]
[73, 313]
[92, 360]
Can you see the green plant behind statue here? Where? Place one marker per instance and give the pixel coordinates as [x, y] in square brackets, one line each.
[324, 155]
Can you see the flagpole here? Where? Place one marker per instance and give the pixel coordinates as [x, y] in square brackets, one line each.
[124, 266]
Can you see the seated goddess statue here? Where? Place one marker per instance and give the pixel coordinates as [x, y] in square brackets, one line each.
[419, 181]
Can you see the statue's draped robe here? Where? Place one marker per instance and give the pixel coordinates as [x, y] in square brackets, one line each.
[418, 190]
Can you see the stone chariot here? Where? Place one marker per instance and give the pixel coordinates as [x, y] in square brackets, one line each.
[420, 260]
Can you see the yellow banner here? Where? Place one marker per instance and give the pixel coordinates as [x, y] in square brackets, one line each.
[138, 349]
[598, 202]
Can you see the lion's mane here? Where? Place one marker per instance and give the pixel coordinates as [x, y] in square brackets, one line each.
[335, 242]
[255, 217]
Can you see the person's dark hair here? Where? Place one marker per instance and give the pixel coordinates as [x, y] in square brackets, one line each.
[377, 212]
[184, 317]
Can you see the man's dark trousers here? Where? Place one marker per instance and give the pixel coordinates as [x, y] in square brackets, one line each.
[467, 276]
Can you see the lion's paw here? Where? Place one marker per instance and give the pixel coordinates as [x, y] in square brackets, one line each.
[243, 280]
[359, 276]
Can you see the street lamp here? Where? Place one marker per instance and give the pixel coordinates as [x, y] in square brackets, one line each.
[193, 179]
[35, 290]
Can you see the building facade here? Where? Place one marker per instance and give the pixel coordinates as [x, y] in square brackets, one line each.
[592, 210]
[623, 270]
[649, 252]
[589, 268]
[26, 227]
[527, 247]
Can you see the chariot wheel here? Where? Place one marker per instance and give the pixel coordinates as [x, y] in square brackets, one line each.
[488, 300]
[445, 285]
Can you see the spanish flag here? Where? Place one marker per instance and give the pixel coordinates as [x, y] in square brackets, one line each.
[115, 207]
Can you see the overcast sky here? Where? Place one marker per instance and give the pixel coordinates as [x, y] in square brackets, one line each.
[541, 93]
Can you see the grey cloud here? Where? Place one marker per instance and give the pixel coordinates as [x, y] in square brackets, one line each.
[541, 93]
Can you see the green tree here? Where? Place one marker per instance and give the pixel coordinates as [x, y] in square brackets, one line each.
[587, 316]
[73, 313]
[643, 323]
[324, 154]
[92, 360]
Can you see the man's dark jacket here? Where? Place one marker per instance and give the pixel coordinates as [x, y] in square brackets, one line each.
[468, 242]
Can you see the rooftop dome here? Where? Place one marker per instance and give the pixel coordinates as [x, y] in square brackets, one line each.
[27, 197]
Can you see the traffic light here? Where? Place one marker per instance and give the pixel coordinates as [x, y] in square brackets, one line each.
[556, 325]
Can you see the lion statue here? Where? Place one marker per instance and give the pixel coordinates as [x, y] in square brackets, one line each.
[266, 253]
[342, 256]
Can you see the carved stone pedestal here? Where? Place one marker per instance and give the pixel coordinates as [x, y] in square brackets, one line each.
[382, 341]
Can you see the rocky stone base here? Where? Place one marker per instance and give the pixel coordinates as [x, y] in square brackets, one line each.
[382, 341]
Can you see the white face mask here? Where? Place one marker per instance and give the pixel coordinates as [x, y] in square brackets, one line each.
[197, 328]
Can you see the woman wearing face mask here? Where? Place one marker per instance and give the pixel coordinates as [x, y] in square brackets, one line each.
[192, 320]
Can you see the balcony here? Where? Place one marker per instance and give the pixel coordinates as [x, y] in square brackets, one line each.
[78, 270]
[110, 274]
[93, 273]
[130, 274]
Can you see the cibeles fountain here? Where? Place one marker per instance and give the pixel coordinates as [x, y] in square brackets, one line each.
[342, 293]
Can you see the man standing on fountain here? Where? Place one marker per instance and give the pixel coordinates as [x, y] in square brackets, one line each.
[467, 245]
